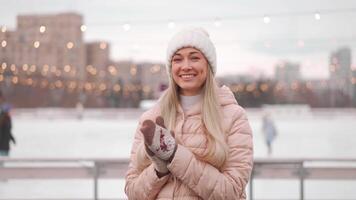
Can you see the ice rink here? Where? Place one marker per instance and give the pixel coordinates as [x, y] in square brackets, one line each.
[108, 134]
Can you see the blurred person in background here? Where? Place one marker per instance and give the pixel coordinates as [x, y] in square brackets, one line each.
[5, 127]
[269, 131]
[196, 142]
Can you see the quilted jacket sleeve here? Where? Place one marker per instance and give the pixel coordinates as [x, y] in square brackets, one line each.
[207, 181]
[142, 184]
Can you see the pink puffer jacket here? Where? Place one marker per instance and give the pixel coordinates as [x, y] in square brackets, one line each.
[191, 178]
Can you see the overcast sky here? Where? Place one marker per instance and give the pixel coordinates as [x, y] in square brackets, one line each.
[245, 44]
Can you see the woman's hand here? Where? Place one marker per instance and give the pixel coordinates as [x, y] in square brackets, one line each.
[158, 139]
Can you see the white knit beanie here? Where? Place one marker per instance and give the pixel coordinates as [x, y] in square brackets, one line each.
[193, 37]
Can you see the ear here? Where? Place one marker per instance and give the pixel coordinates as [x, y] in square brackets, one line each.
[160, 121]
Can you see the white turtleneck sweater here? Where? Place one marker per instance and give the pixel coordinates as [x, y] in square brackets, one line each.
[188, 102]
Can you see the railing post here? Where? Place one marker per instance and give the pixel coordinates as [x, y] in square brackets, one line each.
[301, 178]
[96, 175]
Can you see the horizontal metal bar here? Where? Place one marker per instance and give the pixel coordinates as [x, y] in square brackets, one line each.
[16, 168]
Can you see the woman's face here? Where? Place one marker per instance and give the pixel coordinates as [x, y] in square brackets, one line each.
[189, 70]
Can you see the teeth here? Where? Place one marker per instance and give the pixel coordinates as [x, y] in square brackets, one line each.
[187, 76]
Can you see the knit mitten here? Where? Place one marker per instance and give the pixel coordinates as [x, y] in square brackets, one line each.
[158, 139]
[159, 164]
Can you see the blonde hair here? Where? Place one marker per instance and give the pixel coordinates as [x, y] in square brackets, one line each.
[217, 150]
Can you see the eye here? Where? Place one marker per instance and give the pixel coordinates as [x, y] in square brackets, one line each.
[177, 59]
[195, 58]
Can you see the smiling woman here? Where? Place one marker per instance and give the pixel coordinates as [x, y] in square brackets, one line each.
[196, 143]
[189, 70]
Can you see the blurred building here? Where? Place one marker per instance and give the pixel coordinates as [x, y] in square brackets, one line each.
[154, 79]
[98, 60]
[45, 62]
[287, 72]
[341, 77]
[53, 40]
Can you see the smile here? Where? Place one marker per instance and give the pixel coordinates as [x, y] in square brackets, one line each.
[187, 75]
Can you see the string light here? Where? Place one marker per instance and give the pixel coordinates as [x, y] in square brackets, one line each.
[103, 45]
[70, 45]
[217, 22]
[3, 66]
[171, 25]
[3, 43]
[42, 29]
[67, 68]
[83, 28]
[133, 71]
[117, 87]
[126, 27]
[317, 16]
[102, 86]
[33, 68]
[3, 29]
[25, 67]
[112, 70]
[155, 69]
[15, 80]
[29, 81]
[264, 87]
[36, 44]
[13, 67]
[266, 19]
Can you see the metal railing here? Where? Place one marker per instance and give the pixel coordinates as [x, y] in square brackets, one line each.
[95, 169]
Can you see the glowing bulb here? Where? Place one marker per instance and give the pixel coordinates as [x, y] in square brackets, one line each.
[117, 87]
[126, 27]
[103, 45]
[217, 23]
[317, 16]
[171, 25]
[3, 66]
[70, 45]
[36, 44]
[83, 28]
[25, 67]
[42, 29]
[15, 79]
[3, 43]
[67, 68]
[3, 29]
[266, 19]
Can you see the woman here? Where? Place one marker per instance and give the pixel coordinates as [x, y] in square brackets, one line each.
[196, 143]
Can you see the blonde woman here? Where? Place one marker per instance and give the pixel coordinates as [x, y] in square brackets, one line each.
[196, 143]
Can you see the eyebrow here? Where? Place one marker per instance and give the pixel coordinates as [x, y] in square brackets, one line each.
[178, 54]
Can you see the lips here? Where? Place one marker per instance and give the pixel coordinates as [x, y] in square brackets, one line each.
[187, 76]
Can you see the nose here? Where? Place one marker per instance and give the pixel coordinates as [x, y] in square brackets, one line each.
[186, 65]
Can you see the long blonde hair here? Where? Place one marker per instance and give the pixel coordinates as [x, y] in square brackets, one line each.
[217, 150]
